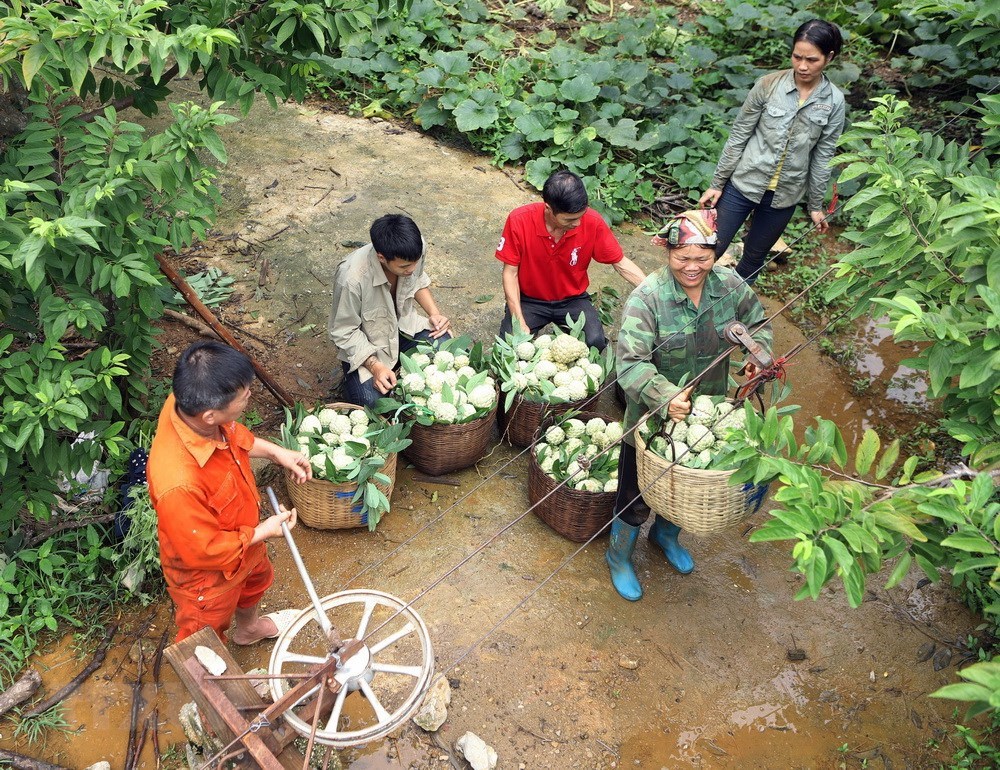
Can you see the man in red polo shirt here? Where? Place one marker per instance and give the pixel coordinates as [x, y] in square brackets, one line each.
[546, 249]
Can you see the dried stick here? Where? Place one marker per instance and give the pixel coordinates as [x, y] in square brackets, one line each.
[158, 660]
[21, 762]
[157, 754]
[95, 663]
[190, 322]
[20, 691]
[139, 746]
[133, 726]
[192, 299]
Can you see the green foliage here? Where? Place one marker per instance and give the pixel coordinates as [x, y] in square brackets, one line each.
[849, 521]
[631, 103]
[212, 286]
[927, 256]
[59, 581]
[36, 729]
[981, 687]
[88, 199]
[137, 559]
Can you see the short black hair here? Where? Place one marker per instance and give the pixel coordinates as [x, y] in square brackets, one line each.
[209, 375]
[822, 34]
[395, 236]
[565, 193]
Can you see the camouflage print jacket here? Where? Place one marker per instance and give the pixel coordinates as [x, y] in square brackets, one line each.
[663, 336]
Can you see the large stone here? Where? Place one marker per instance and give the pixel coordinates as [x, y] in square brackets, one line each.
[476, 752]
[434, 710]
[100, 766]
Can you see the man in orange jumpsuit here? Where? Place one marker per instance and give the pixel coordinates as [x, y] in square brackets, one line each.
[207, 506]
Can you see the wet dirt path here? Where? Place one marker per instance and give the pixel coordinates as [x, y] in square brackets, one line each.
[697, 674]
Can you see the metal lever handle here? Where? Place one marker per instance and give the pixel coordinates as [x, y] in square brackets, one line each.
[321, 617]
[738, 334]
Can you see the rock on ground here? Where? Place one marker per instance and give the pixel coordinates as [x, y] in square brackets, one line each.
[434, 709]
[476, 752]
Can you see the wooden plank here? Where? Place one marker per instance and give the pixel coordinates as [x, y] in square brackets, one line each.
[235, 722]
[239, 692]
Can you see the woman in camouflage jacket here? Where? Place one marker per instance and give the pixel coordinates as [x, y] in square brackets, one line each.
[673, 325]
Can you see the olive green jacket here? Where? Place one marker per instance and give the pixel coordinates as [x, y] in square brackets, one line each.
[663, 337]
[771, 119]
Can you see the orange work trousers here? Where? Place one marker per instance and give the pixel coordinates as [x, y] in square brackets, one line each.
[217, 611]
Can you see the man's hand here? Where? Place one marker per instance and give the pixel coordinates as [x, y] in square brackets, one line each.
[439, 325]
[271, 526]
[383, 378]
[680, 405]
[709, 198]
[296, 462]
[819, 219]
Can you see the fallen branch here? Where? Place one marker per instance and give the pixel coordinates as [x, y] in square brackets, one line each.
[95, 663]
[131, 752]
[158, 660]
[192, 323]
[188, 293]
[20, 691]
[21, 762]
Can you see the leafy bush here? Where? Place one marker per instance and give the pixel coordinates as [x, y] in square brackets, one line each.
[631, 103]
[88, 200]
[59, 581]
[927, 255]
[137, 558]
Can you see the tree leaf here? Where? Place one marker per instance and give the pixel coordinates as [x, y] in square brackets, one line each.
[888, 460]
[866, 452]
[470, 115]
[972, 542]
[900, 570]
[483, 298]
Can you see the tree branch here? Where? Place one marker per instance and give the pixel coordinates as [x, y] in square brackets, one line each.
[95, 663]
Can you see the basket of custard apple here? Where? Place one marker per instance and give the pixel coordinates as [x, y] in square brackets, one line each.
[450, 401]
[684, 469]
[573, 473]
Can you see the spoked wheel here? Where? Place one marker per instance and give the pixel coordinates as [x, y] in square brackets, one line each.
[382, 685]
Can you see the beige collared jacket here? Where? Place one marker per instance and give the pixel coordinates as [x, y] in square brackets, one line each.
[364, 320]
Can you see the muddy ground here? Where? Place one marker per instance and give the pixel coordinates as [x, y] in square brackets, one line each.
[697, 674]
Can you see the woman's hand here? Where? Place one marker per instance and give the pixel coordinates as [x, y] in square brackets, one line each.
[710, 198]
[296, 462]
[819, 219]
[680, 405]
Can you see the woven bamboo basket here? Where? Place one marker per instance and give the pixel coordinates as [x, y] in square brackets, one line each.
[573, 513]
[698, 500]
[438, 449]
[518, 426]
[325, 504]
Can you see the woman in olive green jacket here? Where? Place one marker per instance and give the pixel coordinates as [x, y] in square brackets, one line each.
[779, 149]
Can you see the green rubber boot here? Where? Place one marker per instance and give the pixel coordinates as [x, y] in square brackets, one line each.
[664, 533]
[619, 557]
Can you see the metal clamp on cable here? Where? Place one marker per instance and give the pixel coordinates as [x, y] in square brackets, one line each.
[260, 723]
[738, 334]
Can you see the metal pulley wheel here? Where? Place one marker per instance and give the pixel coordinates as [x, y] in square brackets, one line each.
[382, 684]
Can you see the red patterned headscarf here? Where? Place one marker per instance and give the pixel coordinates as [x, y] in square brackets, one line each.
[691, 227]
